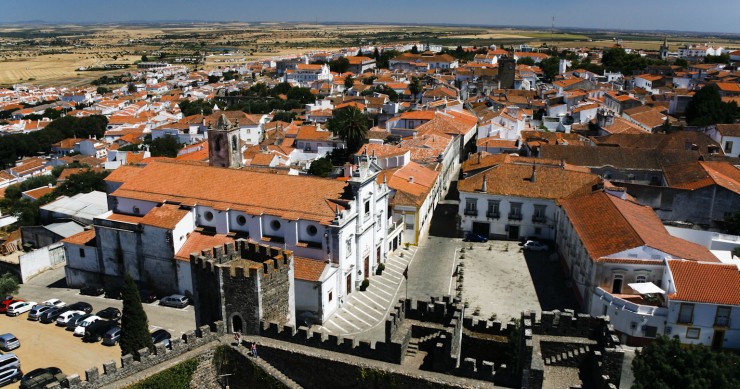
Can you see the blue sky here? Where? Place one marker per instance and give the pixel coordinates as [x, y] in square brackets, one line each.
[708, 15]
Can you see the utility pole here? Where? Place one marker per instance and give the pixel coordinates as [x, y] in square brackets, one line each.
[552, 29]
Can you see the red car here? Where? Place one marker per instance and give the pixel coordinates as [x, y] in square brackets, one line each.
[5, 303]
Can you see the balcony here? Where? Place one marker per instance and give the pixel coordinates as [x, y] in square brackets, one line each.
[493, 215]
[539, 219]
[633, 315]
[515, 216]
[471, 212]
[394, 225]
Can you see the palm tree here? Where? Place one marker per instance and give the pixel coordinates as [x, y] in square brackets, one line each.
[351, 126]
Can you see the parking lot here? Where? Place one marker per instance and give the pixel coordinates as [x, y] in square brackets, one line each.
[45, 345]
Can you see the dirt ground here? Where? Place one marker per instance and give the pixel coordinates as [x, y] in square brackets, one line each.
[45, 345]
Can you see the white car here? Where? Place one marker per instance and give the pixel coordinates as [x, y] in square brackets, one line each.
[16, 309]
[533, 245]
[80, 330]
[55, 303]
[66, 316]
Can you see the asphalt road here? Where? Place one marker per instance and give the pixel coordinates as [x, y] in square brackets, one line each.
[51, 285]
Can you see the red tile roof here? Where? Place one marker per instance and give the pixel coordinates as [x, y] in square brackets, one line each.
[307, 269]
[289, 197]
[166, 216]
[197, 242]
[705, 282]
[629, 225]
[82, 238]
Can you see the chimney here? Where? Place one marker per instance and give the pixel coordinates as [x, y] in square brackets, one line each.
[484, 187]
[534, 173]
[479, 156]
[411, 179]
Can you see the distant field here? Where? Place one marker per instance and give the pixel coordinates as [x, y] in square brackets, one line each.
[50, 55]
[51, 69]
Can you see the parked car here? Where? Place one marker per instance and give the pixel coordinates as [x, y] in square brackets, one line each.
[40, 378]
[10, 375]
[8, 361]
[16, 309]
[37, 310]
[65, 317]
[75, 320]
[91, 290]
[5, 303]
[114, 293]
[175, 300]
[95, 331]
[81, 306]
[110, 313]
[112, 337]
[474, 237]
[161, 336]
[533, 245]
[83, 324]
[9, 342]
[49, 316]
[147, 296]
[55, 303]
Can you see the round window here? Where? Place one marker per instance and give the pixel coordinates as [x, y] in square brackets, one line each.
[208, 215]
[312, 230]
[275, 225]
[241, 220]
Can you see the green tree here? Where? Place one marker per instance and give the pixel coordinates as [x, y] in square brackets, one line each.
[196, 107]
[550, 67]
[349, 81]
[350, 125]
[166, 146]
[339, 65]
[83, 182]
[144, 58]
[414, 49]
[706, 108]
[321, 167]
[525, 61]
[8, 284]
[134, 323]
[102, 90]
[666, 364]
[415, 86]
[131, 87]
[283, 116]
[681, 62]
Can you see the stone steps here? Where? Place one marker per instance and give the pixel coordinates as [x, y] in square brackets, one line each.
[565, 357]
[269, 369]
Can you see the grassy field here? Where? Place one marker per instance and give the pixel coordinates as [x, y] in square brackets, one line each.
[51, 55]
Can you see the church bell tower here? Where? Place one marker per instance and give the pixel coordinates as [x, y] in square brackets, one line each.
[224, 144]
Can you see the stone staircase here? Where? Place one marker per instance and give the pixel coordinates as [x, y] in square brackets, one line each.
[413, 348]
[568, 358]
[269, 369]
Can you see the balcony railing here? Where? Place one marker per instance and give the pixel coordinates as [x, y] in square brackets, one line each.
[624, 305]
[515, 216]
[393, 225]
[538, 219]
[493, 215]
[471, 212]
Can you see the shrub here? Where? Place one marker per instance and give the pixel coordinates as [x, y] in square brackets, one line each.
[365, 283]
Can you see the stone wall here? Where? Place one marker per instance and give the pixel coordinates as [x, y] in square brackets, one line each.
[243, 283]
[112, 372]
[561, 333]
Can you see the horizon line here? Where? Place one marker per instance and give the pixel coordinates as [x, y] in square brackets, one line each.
[31, 23]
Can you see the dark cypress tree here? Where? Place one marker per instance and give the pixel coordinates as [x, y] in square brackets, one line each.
[134, 323]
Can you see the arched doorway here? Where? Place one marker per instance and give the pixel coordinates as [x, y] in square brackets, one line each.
[236, 323]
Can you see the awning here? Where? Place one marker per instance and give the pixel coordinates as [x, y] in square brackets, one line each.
[646, 288]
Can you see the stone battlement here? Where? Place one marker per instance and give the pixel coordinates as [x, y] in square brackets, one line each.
[271, 258]
[129, 366]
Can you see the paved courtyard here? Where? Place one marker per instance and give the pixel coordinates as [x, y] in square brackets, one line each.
[498, 278]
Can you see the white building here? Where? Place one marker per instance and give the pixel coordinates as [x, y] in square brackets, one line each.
[728, 136]
[162, 212]
[623, 263]
[514, 200]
